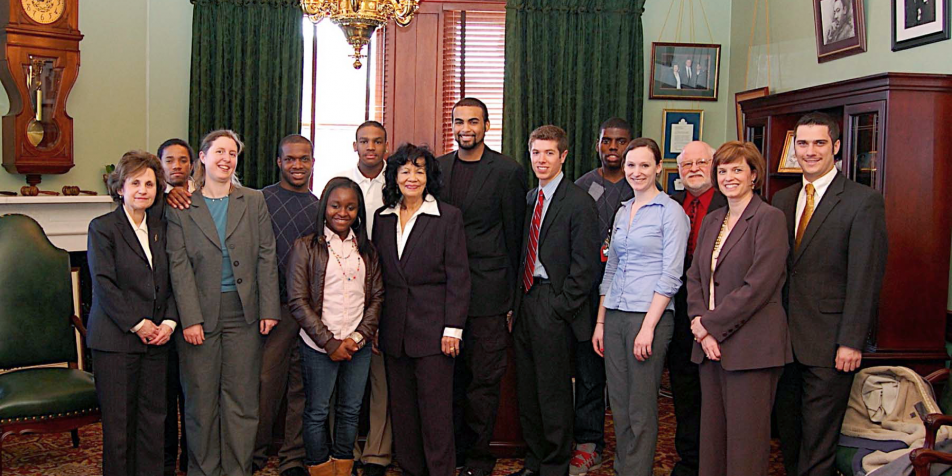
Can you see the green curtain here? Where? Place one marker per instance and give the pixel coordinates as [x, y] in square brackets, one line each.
[572, 63]
[247, 74]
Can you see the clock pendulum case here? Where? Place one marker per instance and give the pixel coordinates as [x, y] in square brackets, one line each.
[40, 40]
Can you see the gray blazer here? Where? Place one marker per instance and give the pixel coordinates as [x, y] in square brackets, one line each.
[195, 259]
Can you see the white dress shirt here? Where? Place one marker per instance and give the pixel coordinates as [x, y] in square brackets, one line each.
[373, 193]
[429, 207]
[819, 189]
[142, 233]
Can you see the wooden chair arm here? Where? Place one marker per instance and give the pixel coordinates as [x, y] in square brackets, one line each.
[940, 375]
[923, 458]
[933, 422]
[78, 323]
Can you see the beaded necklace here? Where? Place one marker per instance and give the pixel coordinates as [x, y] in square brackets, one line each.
[341, 264]
[722, 233]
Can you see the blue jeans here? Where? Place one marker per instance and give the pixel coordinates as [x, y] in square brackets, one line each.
[321, 377]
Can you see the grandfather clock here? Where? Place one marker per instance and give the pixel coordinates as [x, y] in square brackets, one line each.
[40, 41]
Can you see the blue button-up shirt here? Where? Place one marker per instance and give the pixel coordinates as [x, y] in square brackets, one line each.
[548, 191]
[646, 255]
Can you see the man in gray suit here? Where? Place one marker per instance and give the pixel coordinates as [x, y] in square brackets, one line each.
[835, 269]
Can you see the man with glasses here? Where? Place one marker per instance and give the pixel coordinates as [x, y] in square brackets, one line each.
[698, 198]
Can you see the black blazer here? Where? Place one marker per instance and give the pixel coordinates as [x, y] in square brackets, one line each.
[427, 288]
[125, 289]
[681, 297]
[832, 292]
[493, 213]
[568, 249]
[748, 319]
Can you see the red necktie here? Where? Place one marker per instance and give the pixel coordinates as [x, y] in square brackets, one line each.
[533, 243]
[692, 215]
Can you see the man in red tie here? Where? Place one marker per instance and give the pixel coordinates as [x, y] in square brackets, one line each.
[698, 198]
[559, 263]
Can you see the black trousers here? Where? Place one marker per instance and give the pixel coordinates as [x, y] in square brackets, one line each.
[543, 345]
[478, 373]
[131, 391]
[175, 413]
[686, 390]
[810, 405]
[421, 402]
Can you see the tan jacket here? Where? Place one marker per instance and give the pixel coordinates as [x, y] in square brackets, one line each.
[306, 269]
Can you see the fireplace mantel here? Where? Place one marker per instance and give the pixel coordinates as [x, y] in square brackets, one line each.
[65, 220]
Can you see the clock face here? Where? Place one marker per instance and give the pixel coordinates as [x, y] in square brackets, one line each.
[44, 11]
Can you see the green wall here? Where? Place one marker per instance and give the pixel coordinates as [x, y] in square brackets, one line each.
[132, 90]
[792, 46]
[717, 125]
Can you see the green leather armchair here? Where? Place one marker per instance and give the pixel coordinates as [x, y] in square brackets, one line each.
[36, 325]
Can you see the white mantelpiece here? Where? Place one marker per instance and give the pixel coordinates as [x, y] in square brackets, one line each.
[65, 220]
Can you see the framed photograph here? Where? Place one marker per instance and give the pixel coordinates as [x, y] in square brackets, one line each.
[684, 71]
[671, 179]
[678, 128]
[743, 96]
[788, 159]
[919, 22]
[840, 28]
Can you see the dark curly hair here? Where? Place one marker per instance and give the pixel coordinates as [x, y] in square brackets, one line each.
[409, 153]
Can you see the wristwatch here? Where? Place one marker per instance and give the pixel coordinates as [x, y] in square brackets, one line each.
[358, 339]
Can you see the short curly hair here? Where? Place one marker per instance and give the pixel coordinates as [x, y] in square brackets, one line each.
[409, 153]
[130, 165]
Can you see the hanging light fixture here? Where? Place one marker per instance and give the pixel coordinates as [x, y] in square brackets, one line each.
[360, 18]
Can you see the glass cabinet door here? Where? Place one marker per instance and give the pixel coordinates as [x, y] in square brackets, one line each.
[863, 154]
[755, 135]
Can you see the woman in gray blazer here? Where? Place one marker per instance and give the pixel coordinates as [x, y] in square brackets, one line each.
[225, 280]
[738, 321]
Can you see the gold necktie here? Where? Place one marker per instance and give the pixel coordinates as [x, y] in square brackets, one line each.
[805, 218]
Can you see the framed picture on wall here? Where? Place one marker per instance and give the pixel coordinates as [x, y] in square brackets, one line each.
[684, 71]
[671, 179]
[919, 22]
[743, 96]
[678, 128]
[840, 28]
[788, 159]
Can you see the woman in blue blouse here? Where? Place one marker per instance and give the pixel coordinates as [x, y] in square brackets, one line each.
[636, 313]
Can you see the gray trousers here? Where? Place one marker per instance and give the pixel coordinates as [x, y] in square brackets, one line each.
[377, 448]
[633, 388]
[220, 380]
[280, 380]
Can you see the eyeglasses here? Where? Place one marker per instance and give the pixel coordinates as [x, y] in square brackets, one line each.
[700, 163]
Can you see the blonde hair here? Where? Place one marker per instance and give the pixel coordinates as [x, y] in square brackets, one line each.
[130, 165]
[198, 171]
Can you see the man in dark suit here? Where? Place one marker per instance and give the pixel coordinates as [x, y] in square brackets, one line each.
[490, 189]
[558, 267]
[837, 258]
[698, 198]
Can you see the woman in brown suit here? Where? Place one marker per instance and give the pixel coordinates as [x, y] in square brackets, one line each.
[734, 287]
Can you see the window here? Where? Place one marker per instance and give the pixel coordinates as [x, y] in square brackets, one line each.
[474, 46]
[337, 98]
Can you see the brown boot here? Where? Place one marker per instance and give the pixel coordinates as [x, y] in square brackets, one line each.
[327, 468]
[344, 467]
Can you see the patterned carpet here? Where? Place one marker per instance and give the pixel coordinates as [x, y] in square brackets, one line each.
[54, 455]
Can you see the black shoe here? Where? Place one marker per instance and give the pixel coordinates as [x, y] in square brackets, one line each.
[295, 471]
[255, 468]
[524, 472]
[371, 469]
[474, 472]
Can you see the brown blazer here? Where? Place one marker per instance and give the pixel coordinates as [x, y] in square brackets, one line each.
[427, 287]
[306, 269]
[748, 319]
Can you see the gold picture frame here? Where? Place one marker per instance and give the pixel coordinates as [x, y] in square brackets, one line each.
[788, 159]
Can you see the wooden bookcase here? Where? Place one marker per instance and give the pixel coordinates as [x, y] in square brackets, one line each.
[896, 134]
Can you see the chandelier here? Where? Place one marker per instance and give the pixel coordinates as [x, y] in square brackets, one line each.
[360, 18]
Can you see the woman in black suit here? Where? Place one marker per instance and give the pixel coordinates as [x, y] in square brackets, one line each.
[132, 317]
[738, 320]
[422, 248]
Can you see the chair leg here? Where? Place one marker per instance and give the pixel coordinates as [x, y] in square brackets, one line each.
[74, 435]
